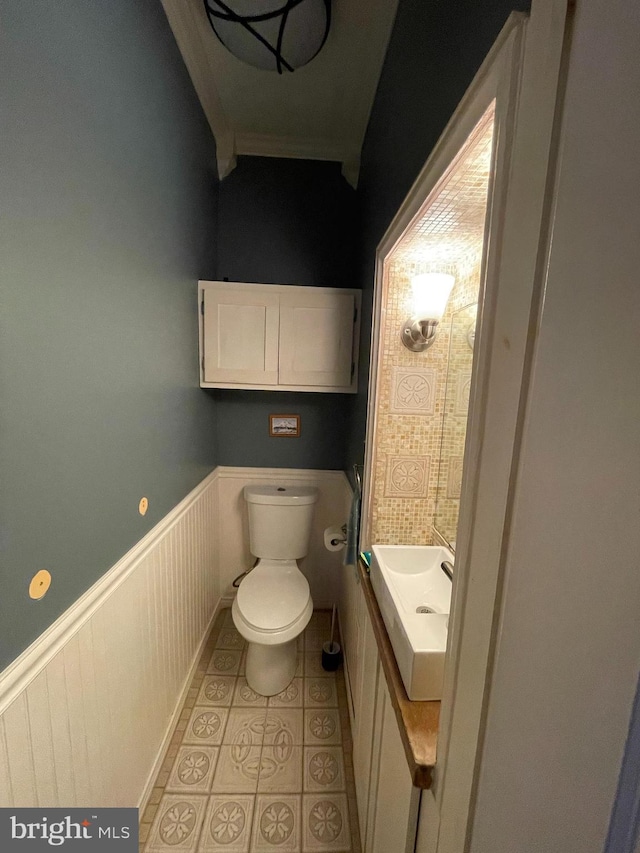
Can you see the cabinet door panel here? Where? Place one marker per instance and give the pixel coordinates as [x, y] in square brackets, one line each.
[369, 674]
[397, 803]
[316, 338]
[349, 630]
[368, 836]
[240, 342]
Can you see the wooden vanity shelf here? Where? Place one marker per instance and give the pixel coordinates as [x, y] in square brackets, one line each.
[417, 721]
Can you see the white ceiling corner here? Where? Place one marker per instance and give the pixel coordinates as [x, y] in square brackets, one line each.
[320, 112]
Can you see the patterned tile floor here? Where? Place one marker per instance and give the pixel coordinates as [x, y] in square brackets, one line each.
[247, 774]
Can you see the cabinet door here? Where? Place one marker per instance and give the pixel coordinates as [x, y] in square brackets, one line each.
[316, 338]
[365, 703]
[240, 336]
[394, 803]
[349, 596]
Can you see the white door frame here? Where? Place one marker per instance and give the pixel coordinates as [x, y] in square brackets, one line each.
[521, 72]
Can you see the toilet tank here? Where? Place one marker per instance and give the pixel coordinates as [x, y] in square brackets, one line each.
[280, 520]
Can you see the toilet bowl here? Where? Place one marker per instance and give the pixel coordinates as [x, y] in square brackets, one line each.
[273, 605]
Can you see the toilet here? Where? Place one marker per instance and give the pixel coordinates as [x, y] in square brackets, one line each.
[273, 605]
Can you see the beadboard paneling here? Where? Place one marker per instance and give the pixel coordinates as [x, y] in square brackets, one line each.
[322, 568]
[85, 711]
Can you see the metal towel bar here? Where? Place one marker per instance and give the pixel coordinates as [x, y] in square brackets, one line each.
[358, 476]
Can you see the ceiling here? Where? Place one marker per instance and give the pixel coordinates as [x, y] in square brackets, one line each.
[318, 112]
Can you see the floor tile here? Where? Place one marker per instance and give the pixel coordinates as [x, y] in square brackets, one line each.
[280, 770]
[313, 640]
[177, 824]
[229, 638]
[247, 774]
[320, 621]
[322, 726]
[193, 770]
[276, 823]
[313, 666]
[227, 824]
[156, 796]
[150, 813]
[283, 726]
[205, 726]
[290, 697]
[224, 662]
[320, 692]
[245, 696]
[325, 822]
[245, 726]
[323, 769]
[216, 690]
[237, 770]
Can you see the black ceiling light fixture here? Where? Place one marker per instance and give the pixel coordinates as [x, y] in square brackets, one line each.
[275, 35]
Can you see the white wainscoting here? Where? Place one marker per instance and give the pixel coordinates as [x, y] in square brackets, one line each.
[322, 568]
[86, 711]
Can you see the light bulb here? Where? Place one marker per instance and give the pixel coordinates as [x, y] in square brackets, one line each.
[431, 291]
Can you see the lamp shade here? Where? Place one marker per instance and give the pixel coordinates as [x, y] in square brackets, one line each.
[275, 35]
[430, 294]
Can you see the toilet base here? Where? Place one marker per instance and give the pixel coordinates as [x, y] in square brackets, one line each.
[271, 668]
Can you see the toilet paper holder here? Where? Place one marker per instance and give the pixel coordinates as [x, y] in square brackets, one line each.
[341, 540]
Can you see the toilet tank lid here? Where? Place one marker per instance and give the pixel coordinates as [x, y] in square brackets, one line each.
[282, 495]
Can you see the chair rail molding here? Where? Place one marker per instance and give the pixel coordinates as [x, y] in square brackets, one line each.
[86, 710]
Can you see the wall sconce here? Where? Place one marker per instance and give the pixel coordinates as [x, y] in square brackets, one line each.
[430, 294]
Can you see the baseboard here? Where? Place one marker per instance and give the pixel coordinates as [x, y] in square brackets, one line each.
[144, 799]
[157, 764]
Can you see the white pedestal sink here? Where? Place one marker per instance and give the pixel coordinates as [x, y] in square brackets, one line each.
[414, 595]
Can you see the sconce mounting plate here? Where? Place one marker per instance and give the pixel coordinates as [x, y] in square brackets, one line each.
[418, 335]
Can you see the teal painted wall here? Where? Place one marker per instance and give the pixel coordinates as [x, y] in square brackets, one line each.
[108, 196]
[434, 52]
[110, 211]
[285, 222]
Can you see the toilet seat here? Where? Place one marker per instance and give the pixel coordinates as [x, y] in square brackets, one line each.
[273, 603]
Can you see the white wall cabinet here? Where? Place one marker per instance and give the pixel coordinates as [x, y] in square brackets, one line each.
[388, 802]
[280, 337]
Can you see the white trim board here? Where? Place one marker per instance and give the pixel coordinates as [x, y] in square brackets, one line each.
[223, 471]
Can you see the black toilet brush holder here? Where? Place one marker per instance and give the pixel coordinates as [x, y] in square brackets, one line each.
[331, 652]
[331, 656]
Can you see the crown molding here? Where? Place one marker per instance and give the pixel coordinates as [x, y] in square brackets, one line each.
[187, 29]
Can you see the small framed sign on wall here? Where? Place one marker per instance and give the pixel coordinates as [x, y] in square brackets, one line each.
[284, 425]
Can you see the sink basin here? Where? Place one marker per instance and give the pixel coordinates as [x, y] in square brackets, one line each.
[414, 595]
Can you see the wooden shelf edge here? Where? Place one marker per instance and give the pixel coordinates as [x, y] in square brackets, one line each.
[418, 721]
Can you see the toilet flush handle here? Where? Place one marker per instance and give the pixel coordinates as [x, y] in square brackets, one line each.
[238, 580]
